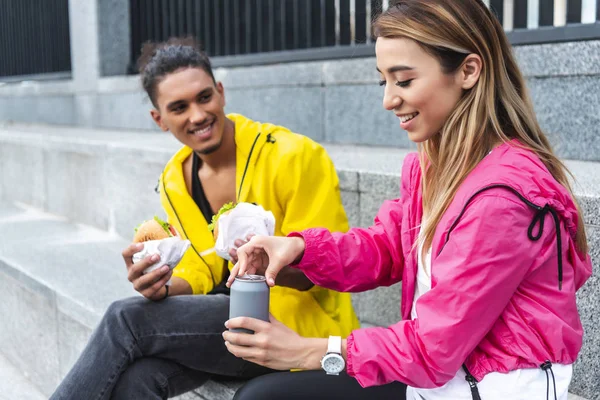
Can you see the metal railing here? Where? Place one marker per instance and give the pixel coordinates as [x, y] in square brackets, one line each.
[228, 28]
[34, 38]
[246, 32]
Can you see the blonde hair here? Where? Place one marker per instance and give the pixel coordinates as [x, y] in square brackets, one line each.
[496, 109]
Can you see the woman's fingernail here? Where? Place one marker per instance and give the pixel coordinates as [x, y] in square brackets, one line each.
[139, 246]
[226, 324]
[164, 268]
[271, 281]
[155, 257]
[226, 343]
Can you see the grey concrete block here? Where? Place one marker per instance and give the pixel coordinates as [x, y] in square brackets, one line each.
[370, 203]
[590, 206]
[55, 110]
[353, 71]
[52, 109]
[348, 180]
[114, 36]
[75, 183]
[350, 200]
[223, 390]
[129, 110]
[130, 188]
[383, 160]
[586, 187]
[82, 265]
[383, 185]
[72, 338]
[296, 108]
[10, 90]
[586, 372]
[28, 335]
[14, 385]
[288, 75]
[188, 396]
[22, 174]
[85, 109]
[559, 59]
[85, 52]
[22, 109]
[354, 114]
[380, 307]
[567, 110]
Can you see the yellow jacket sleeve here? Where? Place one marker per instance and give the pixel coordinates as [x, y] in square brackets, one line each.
[197, 273]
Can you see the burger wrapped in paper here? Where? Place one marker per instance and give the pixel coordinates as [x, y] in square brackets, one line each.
[238, 221]
[159, 237]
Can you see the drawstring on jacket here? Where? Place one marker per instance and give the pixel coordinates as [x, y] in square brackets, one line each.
[539, 219]
[547, 366]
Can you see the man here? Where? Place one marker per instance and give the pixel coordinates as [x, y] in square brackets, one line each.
[160, 348]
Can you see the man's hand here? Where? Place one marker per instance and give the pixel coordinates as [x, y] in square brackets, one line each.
[150, 285]
[233, 251]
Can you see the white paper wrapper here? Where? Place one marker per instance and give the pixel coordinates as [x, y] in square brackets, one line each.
[170, 250]
[245, 219]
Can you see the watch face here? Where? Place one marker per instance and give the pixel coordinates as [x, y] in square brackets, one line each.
[333, 363]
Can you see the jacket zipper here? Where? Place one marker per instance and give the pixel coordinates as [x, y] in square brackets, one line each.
[472, 384]
[212, 277]
[247, 164]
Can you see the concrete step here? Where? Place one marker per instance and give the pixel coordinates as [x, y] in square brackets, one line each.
[14, 384]
[106, 179]
[57, 279]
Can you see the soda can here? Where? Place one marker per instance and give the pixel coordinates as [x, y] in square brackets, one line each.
[249, 297]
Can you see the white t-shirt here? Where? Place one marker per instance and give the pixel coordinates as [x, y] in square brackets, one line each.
[521, 384]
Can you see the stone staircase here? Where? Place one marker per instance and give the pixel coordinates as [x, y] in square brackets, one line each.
[69, 198]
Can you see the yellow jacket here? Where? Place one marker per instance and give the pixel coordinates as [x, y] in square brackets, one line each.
[294, 178]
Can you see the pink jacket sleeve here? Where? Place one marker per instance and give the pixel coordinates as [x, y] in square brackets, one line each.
[474, 277]
[358, 260]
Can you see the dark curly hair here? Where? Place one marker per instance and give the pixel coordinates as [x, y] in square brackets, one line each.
[160, 59]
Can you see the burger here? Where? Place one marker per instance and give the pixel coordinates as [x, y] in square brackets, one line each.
[214, 226]
[153, 229]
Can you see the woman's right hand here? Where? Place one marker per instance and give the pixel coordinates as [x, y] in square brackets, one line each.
[150, 285]
[268, 255]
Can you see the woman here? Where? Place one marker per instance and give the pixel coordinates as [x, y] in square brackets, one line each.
[486, 237]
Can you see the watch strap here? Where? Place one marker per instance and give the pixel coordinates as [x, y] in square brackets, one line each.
[334, 345]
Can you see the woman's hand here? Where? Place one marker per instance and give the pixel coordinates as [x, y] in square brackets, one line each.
[273, 345]
[267, 253]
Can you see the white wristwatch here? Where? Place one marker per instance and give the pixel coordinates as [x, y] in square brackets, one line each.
[332, 362]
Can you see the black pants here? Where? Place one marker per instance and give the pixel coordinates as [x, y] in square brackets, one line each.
[155, 350]
[316, 385]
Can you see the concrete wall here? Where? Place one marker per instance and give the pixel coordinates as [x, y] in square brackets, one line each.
[330, 101]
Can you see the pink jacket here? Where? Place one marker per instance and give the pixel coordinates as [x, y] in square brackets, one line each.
[495, 303]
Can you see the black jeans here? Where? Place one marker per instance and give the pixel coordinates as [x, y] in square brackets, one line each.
[315, 385]
[155, 350]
